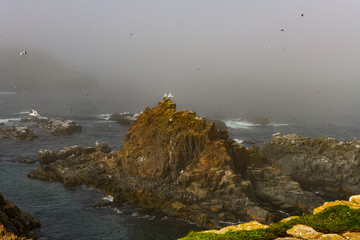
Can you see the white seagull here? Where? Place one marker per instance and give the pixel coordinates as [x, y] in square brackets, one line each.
[170, 95]
[34, 113]
[23, 53]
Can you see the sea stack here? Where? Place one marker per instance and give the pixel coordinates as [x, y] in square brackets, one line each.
[176, 163]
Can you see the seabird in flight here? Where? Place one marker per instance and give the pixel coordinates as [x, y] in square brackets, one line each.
[282, 30]
[23, 53]
[302, 14]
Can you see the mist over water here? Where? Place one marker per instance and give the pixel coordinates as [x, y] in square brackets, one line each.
[214, 56]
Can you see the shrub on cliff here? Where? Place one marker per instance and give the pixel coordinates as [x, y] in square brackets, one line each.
[336, 219]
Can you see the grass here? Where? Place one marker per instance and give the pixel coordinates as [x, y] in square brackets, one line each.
[336, 219]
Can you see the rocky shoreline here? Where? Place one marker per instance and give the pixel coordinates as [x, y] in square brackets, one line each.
[178, 164]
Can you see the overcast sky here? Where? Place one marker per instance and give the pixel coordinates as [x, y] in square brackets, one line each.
[224, 51]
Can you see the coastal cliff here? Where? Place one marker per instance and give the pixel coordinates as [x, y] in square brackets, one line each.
[178, 164]
[15, 224]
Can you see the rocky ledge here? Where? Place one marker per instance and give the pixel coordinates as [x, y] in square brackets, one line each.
[180, 165]
[15, 224]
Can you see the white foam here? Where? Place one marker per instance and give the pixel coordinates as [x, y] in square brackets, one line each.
[243, 124]
[6, 120]
[105, 116]
[240, 124]
[108, 198]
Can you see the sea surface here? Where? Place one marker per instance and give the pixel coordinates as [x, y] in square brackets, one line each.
[69, 212]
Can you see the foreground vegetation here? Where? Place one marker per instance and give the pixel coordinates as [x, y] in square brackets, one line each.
[336, 219]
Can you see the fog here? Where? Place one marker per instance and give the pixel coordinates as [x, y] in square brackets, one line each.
[224, 56]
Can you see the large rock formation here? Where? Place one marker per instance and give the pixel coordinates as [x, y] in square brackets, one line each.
[322, 165]
[177, 163]
[15, 224]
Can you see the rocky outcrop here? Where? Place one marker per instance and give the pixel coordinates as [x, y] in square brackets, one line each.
[322, 165]
[177, 163]
[17, 132]
[124, 118]
[54, 126]
[15, 224]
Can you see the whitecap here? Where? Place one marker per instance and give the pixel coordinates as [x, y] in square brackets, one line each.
[239, 124]
[105, 116]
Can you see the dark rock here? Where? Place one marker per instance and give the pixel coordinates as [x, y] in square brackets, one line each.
[15, 221]
[123, 118]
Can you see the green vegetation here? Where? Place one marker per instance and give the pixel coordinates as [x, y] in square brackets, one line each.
[336, 219]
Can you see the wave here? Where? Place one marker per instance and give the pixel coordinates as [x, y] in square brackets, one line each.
[105, 116]
[6, 120]
[7, 93]
[243, 124]
[238, 124]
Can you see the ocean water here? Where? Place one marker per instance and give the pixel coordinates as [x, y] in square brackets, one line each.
[68, 212]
